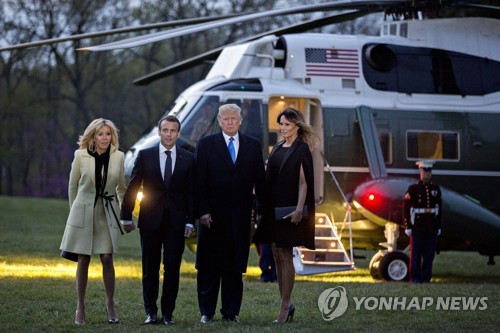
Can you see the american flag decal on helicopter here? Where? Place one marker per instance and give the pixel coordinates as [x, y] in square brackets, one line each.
[332, 62]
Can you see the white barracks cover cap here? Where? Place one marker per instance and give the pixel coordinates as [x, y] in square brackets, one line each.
[426, 165]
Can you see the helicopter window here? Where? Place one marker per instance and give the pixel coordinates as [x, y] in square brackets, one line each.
[348, 83]
[239, 85]
[393, 29]
[432, 145]
[420, 70]
[201, 121]
[251, 111]
[403, 30]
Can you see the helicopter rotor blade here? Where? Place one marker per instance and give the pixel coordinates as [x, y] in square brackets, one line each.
[167, 24]
[338, 5]
[486, 9]
[160, 36]
[212, 54]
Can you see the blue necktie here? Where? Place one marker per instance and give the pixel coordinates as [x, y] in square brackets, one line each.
[168, 168]
[232, 152]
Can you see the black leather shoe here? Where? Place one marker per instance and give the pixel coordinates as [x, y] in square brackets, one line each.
[167, 320]
[151, 319]
[206, 319]
[233, 319]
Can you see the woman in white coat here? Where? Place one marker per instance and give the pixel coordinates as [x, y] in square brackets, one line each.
[96, 189]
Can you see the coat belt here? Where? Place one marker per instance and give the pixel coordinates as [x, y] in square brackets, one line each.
[108, 199]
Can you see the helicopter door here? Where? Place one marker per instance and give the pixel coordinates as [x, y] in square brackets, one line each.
[313, 115]
[316, 121]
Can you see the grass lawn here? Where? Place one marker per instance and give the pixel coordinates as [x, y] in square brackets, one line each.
[37, 288]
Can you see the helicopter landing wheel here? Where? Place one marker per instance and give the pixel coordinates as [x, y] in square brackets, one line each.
[394, 266]
[375, 264]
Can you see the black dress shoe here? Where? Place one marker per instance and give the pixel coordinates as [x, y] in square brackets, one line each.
[206, 319]
[233, 319]
[167, 320]
[151, 319]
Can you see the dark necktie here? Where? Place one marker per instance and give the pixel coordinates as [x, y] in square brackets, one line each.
[232, 152]
[168, 168]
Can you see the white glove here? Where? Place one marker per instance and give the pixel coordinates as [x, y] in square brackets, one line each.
[408, 232]
[439, 232]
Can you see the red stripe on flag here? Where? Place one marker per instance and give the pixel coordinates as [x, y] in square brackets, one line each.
[339, 63]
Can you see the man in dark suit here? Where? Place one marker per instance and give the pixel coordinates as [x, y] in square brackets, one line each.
[166, 216]
[229, 166]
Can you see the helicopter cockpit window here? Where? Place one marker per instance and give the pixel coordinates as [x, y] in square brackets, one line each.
[432, 145]
[239, 85]
[251, 111]
[202, 120]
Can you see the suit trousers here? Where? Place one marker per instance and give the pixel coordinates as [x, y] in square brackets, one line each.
[267, 264]
[231, 287]
[422, 251]
[152, 242]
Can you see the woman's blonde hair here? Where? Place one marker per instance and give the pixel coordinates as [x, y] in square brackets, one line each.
[305, 133]
[87, 139]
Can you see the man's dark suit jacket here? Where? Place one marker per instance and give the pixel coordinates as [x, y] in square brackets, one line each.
[179, 195]
[224, 190]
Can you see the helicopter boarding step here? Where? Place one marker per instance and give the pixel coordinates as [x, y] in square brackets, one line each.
[329, 255]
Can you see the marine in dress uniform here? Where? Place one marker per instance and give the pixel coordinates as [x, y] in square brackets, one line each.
[422, 208]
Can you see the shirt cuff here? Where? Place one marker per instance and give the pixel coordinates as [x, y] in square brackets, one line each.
[126, 222]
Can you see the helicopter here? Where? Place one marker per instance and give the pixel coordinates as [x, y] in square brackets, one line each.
[425, 88]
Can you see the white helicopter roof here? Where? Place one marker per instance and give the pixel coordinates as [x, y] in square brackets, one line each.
[473, 36]
[302, 72]
[470, 35]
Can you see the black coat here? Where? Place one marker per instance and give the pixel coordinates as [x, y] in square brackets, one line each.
[225, 190]
[282, 188]
[179, 195]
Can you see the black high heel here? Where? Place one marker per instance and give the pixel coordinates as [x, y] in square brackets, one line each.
[289, 316]
[291, 312]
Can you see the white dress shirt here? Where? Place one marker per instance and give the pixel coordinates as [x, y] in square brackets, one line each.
[163, 158]
[236, 143]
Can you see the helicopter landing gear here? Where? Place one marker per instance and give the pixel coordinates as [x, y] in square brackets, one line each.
[375, 264]
[394, 266]
[390, 264]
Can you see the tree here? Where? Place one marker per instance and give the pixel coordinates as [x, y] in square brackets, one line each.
[49, 94]
[64, 81]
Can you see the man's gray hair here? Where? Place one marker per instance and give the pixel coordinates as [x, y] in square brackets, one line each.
[223, 109]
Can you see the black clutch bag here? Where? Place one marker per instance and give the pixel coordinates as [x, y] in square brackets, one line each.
[281, 212]
[69, 255]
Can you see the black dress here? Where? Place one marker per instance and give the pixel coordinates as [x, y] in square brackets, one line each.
[282, 187]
